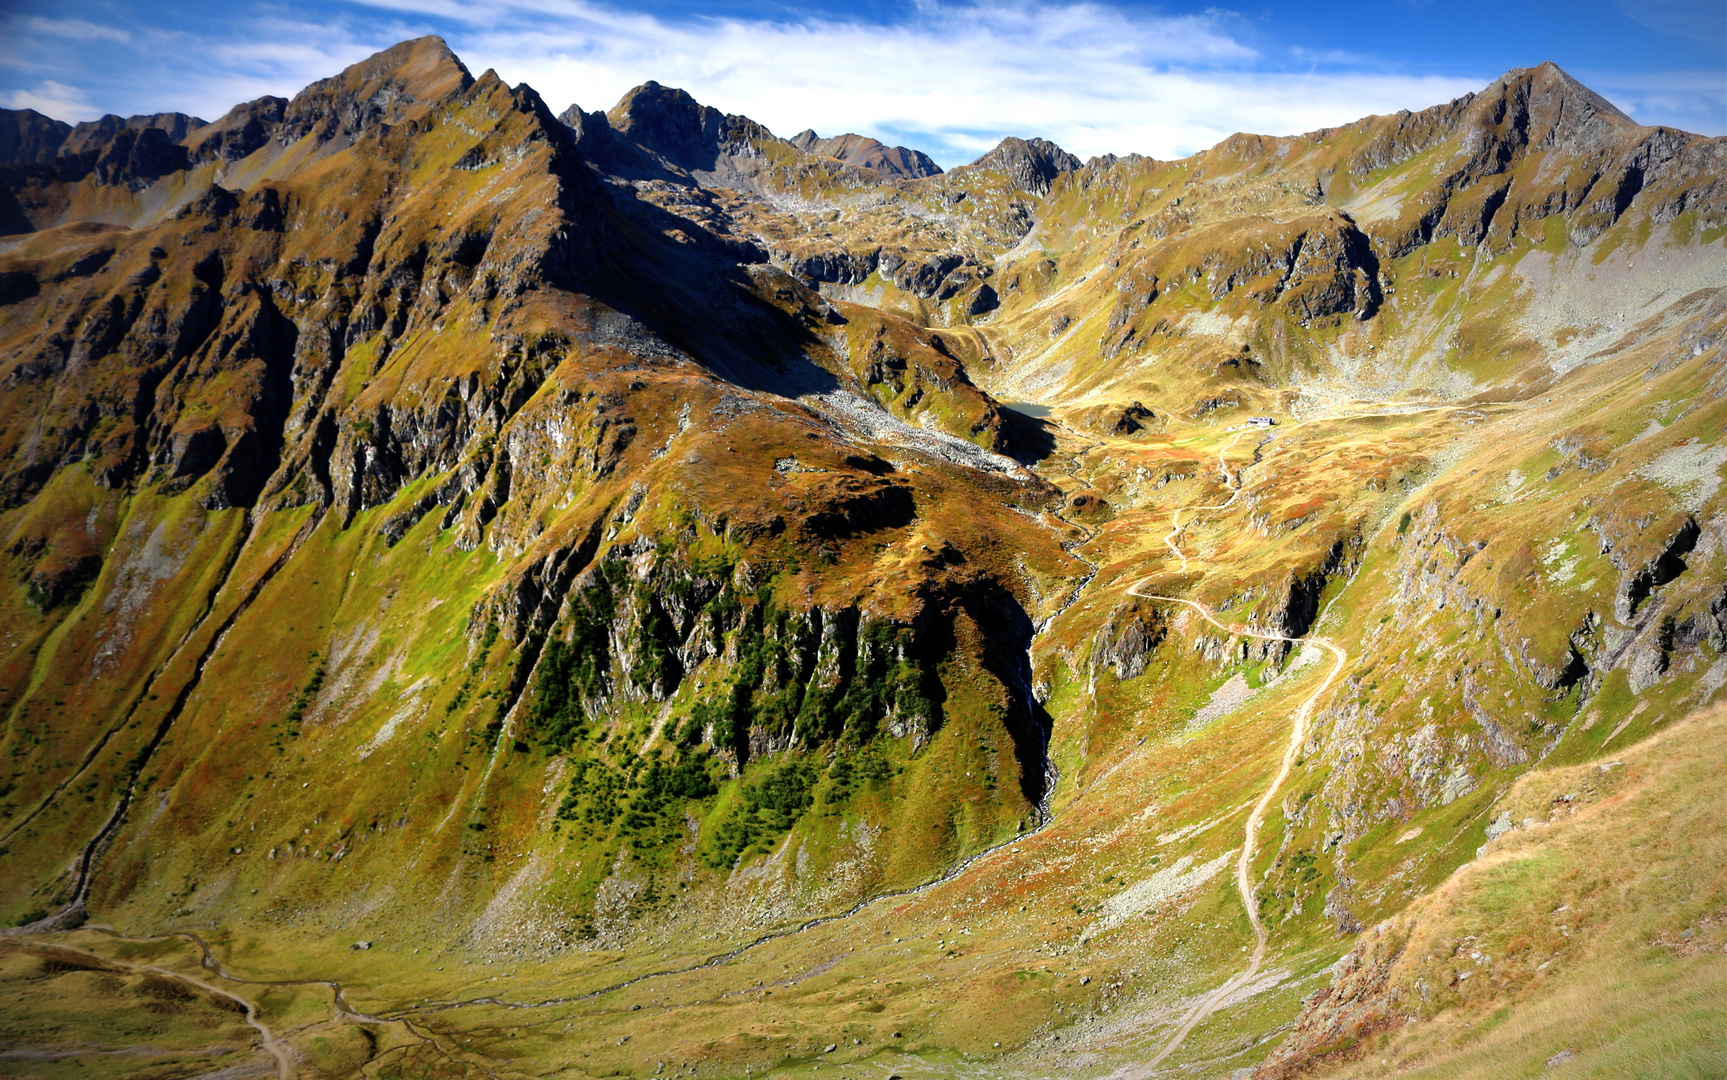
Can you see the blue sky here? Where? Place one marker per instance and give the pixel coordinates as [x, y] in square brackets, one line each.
[947, 77]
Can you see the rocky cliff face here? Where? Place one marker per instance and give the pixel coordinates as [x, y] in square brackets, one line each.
[541, 536]
[515, 364]
[895, 161]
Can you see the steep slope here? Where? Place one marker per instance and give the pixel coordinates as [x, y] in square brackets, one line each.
[1586, 941]
[896, 161]
[568, 584]
[282, 379]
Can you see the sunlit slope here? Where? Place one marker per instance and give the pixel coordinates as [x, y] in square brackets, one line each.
[586, 562]
[425, 443]
[1587, 940]
[1436, 253]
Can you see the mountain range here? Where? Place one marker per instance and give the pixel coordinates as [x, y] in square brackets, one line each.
[499, 592]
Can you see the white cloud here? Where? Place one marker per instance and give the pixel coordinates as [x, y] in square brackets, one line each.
[54, 99]
[76, 29]
[953, 81]
[290, 55]
[1699, 19]
[206, 76]
[951, 78]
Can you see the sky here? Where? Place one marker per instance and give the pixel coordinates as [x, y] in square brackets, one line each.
[949, 77]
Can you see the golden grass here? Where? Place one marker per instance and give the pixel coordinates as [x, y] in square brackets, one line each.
[1604, 924]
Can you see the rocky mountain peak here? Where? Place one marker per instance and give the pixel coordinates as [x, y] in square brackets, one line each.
[577, 120]
[669, 122]
[666, 118]
[97, 133]
[1549, 80]
[423, 68]
[1544, 108]
[389, 86]
[897, 161]
[243, 129]
[1033, 164]
[29, 138]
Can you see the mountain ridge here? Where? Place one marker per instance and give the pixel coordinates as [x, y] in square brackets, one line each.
[871, 153]
[561, 578]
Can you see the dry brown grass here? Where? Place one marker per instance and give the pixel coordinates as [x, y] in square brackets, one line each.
[1588, 943]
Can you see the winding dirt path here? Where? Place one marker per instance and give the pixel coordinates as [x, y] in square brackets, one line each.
[1244, 865]
[1233, 482]
[277, 1049]
[1213, 1001]
[210, 961]
[1207, 1006]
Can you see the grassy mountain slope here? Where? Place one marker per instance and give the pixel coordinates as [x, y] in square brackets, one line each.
[570, 585]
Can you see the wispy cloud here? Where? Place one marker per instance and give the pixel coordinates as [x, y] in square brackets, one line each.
[950, 77]
[953, 79]
[75, 29]
[54, 99]
[1699, 19]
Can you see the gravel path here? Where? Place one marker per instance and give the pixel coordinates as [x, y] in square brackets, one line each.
[1234, 484]
[1244, 865]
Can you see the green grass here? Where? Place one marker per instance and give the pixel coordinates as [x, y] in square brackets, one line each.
[1620, 993]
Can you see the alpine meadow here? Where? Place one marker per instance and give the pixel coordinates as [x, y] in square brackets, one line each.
[494, 592]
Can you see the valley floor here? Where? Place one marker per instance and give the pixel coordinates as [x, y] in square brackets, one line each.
[1590, 940]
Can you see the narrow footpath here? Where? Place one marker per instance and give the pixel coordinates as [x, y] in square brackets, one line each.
[1213, 1001]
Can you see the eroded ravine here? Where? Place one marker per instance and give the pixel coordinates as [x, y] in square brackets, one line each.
[73, 912]
[405, 1018]
[1052, 774]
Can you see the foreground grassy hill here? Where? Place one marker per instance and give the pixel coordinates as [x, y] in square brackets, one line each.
[499, 593]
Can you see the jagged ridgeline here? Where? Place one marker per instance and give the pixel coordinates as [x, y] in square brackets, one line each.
[598, 538]
[372, 460]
